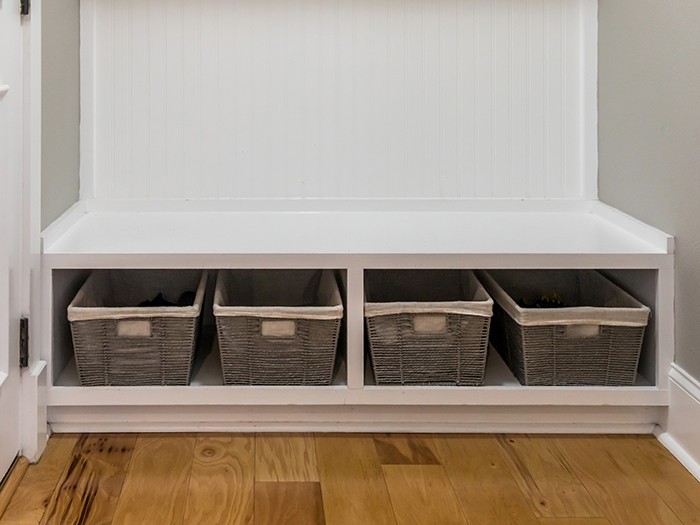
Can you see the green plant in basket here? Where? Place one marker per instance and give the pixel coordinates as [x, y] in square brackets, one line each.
[546, 300]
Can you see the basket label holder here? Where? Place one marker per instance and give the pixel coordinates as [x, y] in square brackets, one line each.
[134, 328]
[278, 328]
[581, 331]
[429, 323]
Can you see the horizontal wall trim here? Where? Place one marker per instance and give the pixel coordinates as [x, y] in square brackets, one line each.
[574, 205]
[273, 426]
[543, 419]
[687, 382]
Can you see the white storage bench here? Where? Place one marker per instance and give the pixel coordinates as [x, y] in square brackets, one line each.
[354, 237]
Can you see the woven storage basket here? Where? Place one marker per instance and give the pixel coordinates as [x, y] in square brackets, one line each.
[427, 327]
[118, 343]
[594, 342]
[277, 327]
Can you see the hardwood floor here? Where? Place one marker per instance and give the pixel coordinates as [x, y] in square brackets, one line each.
[354, 479]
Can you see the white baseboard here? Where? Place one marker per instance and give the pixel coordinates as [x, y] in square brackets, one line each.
[680, 433]
[431, 419]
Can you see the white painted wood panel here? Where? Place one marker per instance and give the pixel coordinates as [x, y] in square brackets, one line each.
[338, 98]
[400, 236]
[429, 419]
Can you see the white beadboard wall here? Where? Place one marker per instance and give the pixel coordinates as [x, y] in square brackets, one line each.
[337, 98]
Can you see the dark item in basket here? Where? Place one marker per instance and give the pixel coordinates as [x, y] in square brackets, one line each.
[547, 300]
[186, 299]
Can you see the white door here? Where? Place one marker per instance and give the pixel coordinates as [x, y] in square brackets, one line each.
[11, 154]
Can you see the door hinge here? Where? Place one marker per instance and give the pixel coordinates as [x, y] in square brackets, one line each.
[24, 342]
[24, 6]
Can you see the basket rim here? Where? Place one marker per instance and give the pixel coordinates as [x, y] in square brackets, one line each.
[475, 308]
[329, 312]
[81, 313]
[635, 315]
[480, 305]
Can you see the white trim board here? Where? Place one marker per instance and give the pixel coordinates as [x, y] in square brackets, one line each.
[545, 419]
[419, 204]
[680, 433]
[34, 385]
[589, 100]
[87, 99]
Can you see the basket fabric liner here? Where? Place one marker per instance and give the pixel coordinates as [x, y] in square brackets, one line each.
[382, 288]
[605, 303]
[278, 294]
[107, 294]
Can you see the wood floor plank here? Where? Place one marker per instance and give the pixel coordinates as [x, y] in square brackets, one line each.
[34, 492]
[547, 480]
[221, 486]
[618, 489]
[405, 449]
[90, 485]
[422, 495]
[285, 457]
[482, 481]
[12, 481]
[288, 503]
[155, 488]
[352, 482]
[573, 521]
[669, 479]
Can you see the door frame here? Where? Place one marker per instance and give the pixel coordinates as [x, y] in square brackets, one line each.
[35, 430]
[11, 231]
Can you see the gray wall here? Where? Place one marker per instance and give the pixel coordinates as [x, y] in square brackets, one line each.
[60, 107]
[649, 134]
